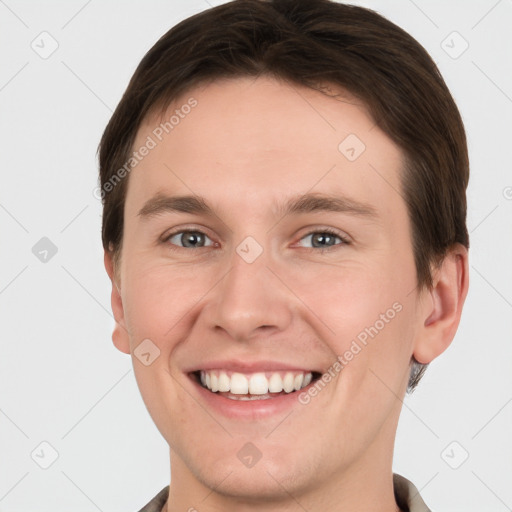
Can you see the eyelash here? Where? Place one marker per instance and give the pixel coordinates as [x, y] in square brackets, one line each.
[323, 231]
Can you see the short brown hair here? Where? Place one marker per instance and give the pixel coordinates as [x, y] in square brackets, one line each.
[312, 43]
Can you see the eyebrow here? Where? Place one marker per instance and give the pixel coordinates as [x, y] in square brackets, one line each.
[302, 204]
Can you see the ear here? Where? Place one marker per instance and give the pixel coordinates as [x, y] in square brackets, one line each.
[120, 333]
[442, 309]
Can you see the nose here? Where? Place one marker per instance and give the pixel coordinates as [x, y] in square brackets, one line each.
[251, 301]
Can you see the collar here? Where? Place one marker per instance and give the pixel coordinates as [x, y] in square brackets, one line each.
[406, 495]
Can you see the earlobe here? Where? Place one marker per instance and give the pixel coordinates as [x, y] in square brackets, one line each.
[120, 338]
[119, 334]
[443, 308]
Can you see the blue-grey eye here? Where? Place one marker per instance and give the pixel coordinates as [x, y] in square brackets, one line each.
[323, 239]
[189, 239]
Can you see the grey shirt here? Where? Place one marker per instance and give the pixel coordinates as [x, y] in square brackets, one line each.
[406, 495]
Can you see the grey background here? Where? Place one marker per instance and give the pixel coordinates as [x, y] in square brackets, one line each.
[62, 381]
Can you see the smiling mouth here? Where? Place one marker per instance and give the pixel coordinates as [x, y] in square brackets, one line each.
[254, 386]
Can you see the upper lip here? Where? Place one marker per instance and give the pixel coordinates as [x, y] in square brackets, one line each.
[250, 366]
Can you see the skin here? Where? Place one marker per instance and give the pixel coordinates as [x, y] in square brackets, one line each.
[248, 145]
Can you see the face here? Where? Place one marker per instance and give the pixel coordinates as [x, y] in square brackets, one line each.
[292, 260]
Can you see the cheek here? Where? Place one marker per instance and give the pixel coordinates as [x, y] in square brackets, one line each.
[364, 314]
[160, 300]
[347, 297]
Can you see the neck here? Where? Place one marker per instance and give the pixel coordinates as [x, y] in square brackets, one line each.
[367, 484]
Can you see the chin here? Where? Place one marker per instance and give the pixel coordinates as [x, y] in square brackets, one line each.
[270, 479]
[248, 485]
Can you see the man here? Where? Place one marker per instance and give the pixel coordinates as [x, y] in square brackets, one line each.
[283, 186]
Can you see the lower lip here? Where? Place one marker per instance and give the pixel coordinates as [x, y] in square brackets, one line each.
[249, 409]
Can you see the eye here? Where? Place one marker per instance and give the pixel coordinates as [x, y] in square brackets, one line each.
[325, 239]
[189, 239]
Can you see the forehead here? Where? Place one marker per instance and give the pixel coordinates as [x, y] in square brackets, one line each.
[262, 138]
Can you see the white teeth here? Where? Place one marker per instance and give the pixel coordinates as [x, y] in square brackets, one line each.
[260, 383]
[288, 382]
[239, 384]
[224, 381]
[214, 382]
[275, 383]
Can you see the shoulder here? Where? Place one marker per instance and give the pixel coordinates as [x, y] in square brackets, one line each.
[157, 503]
